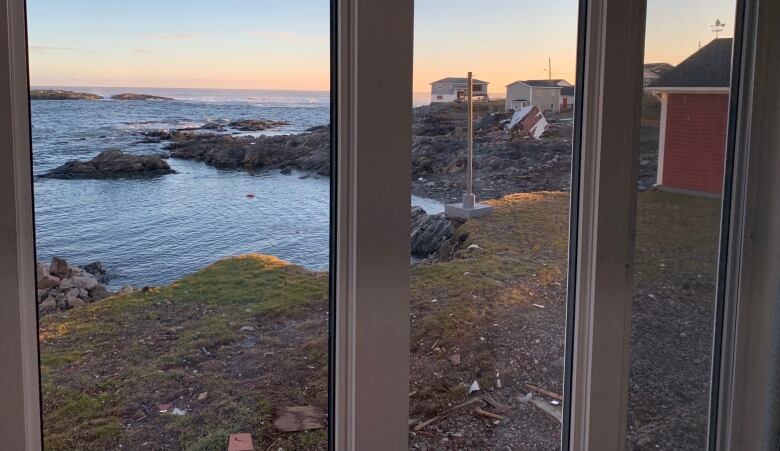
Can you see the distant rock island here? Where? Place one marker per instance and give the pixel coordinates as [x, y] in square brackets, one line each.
[57, 94]
[112, 164]
[133, 96]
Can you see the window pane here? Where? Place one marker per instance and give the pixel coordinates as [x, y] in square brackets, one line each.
[184, 150]
[489, 283]
[683, 143]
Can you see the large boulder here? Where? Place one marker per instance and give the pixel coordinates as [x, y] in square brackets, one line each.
[59, 268]
[48, 281]
[428, 232]
[87, 282]
[112, 164]
[96, 269]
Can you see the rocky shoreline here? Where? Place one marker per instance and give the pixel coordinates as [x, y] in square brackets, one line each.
[504, 162]
[63, 287]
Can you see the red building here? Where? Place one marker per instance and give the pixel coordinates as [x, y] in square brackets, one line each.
[694, 117]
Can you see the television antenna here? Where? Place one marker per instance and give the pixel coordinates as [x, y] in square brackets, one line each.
[717, 28]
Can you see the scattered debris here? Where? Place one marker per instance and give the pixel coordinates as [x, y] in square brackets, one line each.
[446, 413]
[474, 387]
[525, 399]
[499, 407]
[178, 412]
[203, 396]
[247, 329]
[455, 359]
[538, 305]
[473, 246]
[250, 196]
[498, 380]
[542, 391]
[240, 442]
[164, 408]
[295, 419]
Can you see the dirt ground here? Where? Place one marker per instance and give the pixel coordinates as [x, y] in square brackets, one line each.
[251, 332]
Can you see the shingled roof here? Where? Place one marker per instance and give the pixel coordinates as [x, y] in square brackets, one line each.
[710, 67]
[464, 80]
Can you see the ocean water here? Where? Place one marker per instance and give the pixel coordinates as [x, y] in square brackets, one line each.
[153, 231]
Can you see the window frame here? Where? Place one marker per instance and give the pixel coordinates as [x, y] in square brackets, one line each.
[370, 318]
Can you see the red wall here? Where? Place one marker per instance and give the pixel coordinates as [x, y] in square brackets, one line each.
[695, 146]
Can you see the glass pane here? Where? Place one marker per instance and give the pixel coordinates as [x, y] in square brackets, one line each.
[182, 192]
[683, 142]
[489, 280]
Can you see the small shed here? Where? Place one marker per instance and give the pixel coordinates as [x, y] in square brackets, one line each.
[529, 120]
[694, 118]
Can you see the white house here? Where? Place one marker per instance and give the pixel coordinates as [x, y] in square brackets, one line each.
[543, 94]
[454, 89]
[654, 71]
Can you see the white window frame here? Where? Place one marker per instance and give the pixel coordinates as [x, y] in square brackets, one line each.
[371, 348]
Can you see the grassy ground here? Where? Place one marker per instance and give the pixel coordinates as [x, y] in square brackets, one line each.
[107, 367]
[498, 305]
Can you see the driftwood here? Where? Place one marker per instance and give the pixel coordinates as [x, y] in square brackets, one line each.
[486, 414]
[542, 391]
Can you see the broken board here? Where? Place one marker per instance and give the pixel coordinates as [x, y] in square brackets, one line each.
[295, 419]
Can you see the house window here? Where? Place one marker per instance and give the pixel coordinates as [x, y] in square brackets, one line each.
[234, 257]
[439, 97]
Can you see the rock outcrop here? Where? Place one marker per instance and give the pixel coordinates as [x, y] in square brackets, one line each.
[133, 96]
[62, 287]
[308, 151]
[57, 94]
[112, 164]
[428, 232]
[244, 125]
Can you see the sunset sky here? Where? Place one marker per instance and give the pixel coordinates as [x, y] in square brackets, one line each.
[285, 45]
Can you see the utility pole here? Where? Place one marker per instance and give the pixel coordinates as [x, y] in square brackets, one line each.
[469, 208]
[468, 197]
[549, 67]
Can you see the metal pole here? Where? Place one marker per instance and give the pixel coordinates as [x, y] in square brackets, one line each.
[468, 198]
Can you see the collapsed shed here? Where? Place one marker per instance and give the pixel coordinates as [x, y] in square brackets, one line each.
[528, 121]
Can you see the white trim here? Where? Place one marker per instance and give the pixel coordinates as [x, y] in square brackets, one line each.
[748, 412]
[611, 105]
[659, 179]
[373, 285]
[20, 427]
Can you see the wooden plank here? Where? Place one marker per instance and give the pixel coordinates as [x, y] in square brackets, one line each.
[295, 419]
[551, 411]
[542, 391]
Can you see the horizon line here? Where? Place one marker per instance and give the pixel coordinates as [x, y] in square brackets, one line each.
[58, 86]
